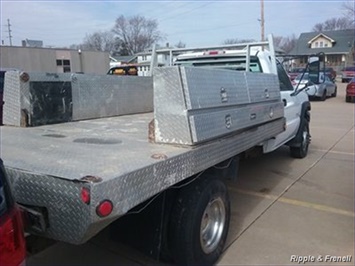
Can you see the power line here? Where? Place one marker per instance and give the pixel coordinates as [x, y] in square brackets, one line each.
[185, 12]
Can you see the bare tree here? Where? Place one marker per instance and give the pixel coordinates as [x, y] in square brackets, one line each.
[278, 40]
[349, 9]
[101, 41]
[285, 43]
[137, 33]
[342, 23]
[180, 44]
[318, 27]
[236, 40]
[76, 46]
[289, 43]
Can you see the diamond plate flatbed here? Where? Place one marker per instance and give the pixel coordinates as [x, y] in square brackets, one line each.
[106, 147]
[48, 165]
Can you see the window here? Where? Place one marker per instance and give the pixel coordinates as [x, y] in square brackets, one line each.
[232, 63]
[303, 60]
[334, 59]
[63, 64]
[326, 45]
[316, 44]
[321, 44]
[285, 83]
[66, 69]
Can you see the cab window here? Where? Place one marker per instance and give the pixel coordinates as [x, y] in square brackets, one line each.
[285, 83]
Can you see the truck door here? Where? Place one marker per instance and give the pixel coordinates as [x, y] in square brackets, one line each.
[292, 110]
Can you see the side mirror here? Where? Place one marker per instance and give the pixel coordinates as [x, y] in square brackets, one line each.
[315, 67]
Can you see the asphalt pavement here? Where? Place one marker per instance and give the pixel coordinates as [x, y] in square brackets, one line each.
[285, 211]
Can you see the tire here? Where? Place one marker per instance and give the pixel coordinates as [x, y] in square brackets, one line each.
[348, 99]
[199, 222]
[335, 92]
[301, 150]
[324, 96]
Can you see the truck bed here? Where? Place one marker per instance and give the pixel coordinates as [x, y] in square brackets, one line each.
[48, 166]
[106, 147]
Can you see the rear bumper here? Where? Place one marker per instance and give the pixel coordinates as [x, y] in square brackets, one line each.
[314, 91]
[52, 207]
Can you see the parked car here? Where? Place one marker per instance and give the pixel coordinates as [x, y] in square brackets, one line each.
[347, 74]
[295, 72]
[350, 91]
[12, 240]
[322, 89]
[331, 73]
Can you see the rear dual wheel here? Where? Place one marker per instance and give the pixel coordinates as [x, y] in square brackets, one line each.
[199, 222]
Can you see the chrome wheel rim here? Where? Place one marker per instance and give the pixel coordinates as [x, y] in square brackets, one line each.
[212, 225]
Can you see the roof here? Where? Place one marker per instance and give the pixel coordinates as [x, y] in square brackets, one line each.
[343, 42]
[319, 35]
[125, 58]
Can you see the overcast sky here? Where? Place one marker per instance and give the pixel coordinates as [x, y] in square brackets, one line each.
[195, 23]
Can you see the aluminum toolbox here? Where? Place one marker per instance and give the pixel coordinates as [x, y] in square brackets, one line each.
[193, 105]
[48, 98]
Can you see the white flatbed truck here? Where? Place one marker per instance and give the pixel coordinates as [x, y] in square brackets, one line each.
[75, 178]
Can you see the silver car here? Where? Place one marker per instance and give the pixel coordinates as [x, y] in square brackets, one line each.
[321, 90]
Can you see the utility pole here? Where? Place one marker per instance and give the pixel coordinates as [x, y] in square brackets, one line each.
[262, 21]
[9, 30]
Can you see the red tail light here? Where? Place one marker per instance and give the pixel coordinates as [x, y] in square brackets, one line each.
[12, 241]
[104, 208]
[85, 195]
